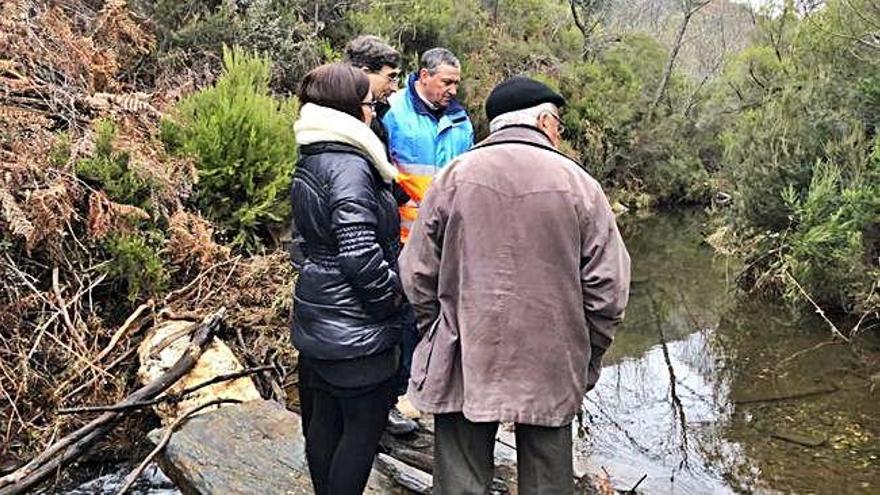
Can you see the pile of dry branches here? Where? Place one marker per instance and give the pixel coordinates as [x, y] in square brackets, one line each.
[67, 335]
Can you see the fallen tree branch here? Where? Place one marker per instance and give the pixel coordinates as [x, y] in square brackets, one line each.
[77, 443]
[166, 437]
[170, 398]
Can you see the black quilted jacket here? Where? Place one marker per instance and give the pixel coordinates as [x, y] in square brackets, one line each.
[348, 298]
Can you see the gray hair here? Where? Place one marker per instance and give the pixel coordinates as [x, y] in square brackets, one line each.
[435, 57]
[526, 116]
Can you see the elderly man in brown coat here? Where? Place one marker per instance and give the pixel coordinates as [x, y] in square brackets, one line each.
[518, 276]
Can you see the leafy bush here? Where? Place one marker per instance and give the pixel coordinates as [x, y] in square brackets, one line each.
[243, 142]
[607, 96]
[135, 264]
[111, 170]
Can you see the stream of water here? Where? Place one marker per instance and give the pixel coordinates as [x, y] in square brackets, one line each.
[706, 391]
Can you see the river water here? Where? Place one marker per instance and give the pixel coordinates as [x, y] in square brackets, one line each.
[708, 392]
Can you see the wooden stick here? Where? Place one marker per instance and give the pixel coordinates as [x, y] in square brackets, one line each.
[166, 437]
[171, 338]
[75, 444]
[123, 329]
[819, 310]
[797, 395]
[171, 398]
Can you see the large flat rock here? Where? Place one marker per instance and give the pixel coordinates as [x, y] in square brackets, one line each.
[253, 448]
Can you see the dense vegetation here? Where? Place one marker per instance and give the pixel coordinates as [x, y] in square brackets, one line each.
[773, 112]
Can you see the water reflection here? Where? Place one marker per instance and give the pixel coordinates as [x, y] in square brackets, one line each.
[705, 392]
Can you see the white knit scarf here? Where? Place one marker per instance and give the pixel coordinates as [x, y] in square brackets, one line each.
[319, 124]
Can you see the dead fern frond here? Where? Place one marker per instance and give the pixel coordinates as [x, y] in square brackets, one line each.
[137, 103]
[51, 210]
[106, 217]
[192, 243]
[15, 218]
[99, 221]
[17, 120]
[117, 28]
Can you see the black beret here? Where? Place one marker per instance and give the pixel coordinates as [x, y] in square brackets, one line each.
[518, 93]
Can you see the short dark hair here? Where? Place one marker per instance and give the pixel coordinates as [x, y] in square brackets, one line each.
[338, 86]
[371, 52]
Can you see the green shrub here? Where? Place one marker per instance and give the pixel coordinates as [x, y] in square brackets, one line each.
[135, 265]
[833, 235]
[607, 95]
[110, 169]
[243, 142]
[193, 32]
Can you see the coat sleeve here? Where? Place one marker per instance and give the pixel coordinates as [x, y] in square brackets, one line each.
[605, 277]
[361, 258]
[420, 260]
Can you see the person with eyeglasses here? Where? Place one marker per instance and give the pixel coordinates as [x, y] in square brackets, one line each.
[381, 63]
[518, 276]
[349, 308]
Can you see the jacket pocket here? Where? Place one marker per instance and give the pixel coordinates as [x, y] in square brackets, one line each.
[427, 345]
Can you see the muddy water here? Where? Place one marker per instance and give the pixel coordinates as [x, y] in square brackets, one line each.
[705, 391]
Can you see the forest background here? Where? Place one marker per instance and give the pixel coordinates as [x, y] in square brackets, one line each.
[146, 150]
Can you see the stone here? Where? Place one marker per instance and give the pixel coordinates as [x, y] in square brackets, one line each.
[252, 448]
[163, 346]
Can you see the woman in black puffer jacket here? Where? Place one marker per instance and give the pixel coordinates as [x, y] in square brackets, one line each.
[348, 302]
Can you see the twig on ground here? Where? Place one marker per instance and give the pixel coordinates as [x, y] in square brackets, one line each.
[110, 367]
[170, 338]
[166, 437]
[225, 281]
[804, 351]
[62, 308]
[183, 290]
[797, 395]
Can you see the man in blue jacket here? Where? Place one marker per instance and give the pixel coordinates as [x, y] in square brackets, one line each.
[427, 127]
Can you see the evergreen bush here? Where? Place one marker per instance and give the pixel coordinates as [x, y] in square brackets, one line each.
[110, 169]
[243, 142]
[135, 264]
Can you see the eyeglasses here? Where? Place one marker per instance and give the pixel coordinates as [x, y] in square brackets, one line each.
[371, 104]
[392, 77]
[559, 123]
